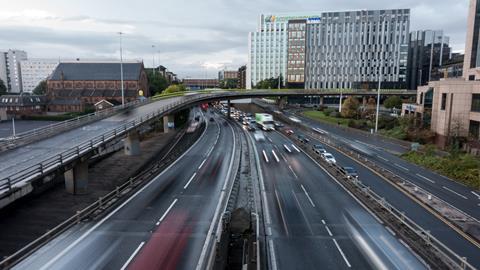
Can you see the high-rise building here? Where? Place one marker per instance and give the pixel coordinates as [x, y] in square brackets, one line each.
[35, 71]
[356, 49]
[10, 69]
[428, 50]
[331, 49]
[242, 77]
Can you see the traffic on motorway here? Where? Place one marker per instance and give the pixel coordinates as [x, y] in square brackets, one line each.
[302, 197]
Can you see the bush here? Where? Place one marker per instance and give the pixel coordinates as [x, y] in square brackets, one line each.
[334, 114]
[327, 111]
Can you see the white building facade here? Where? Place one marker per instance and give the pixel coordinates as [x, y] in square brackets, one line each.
[10, 72]
[268, 48]
[34, 71]
[338, 49]
[357, 47]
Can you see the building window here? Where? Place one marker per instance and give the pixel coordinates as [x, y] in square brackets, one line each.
[475, 102]
[474, 129]
[444, 101]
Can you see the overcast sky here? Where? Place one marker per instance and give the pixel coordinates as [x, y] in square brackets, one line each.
[191, 37]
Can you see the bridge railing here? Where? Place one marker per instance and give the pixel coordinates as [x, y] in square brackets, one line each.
[55, 128]
[49, 165]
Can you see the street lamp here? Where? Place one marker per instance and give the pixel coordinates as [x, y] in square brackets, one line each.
[153, 59]
[121, 69]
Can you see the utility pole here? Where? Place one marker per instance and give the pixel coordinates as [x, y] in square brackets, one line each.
[13, 126]
[121, 69]
[340, 102]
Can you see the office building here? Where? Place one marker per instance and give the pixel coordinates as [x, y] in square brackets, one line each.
[428, 50]
[10, 72]
[242, 77]
[471, 65]
[356, 49]
[331, 49]
[227, 74]
[34, 71]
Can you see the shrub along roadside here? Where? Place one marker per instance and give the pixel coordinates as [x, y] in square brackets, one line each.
[463, 168]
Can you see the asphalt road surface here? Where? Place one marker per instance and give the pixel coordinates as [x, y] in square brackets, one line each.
[458, 195]
[411, 209]
[163, 226]
[23, 157]
[6, 127]
[312, 223]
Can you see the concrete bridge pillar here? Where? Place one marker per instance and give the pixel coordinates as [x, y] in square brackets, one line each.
[131, 144]
[168, 123]
[228, 108]
[76, 179]
[364, 101]
[282, 102]
[321, 101]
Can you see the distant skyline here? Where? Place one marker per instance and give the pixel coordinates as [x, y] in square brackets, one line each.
[191, 38]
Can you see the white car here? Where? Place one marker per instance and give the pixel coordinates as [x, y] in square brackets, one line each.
[259, 137]
[329, 158]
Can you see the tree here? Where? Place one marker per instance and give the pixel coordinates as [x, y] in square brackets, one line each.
[393, 102]
[370, 109]
[41, 88]
[229, 83]
[157, 83]
[175, 88]
[271, 83]
[350, 107]
[3, 88]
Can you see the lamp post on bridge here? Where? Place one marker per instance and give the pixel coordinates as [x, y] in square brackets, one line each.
[121, 69]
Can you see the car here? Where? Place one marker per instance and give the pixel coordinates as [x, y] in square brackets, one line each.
[197, 118]
[289, 131]
[251, 128]
[278, 124]
[245, 122]
[302, 138]
[329, 158]
[259, 137]
[319, 149]
[349, 172]
[211, 119]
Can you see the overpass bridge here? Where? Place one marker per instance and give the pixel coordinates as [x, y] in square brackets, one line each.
[29, 166]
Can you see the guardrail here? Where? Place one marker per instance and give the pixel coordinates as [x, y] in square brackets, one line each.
[99, 206]
[51, 164]
[55, 128]
[438, 249]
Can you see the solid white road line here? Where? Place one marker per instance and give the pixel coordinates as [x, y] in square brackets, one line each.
[275, 155]
[296, 149]
[323, 221]
[343, 254]
[190, 180]
[454, 192]
[380, 157]
[308, 196]
[478, 196]
[81, 238]
[401, 167]
[203, 162]
[265, 156]
[425, 178]
[272, 255]
[281, 212]
[166, 212]
[286, 148]
[328, 230]
[132, 256]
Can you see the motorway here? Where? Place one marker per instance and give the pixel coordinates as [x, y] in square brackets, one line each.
[164, 225]
[411, 209]
[23, 157]
[458, 195]
[312, 223]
